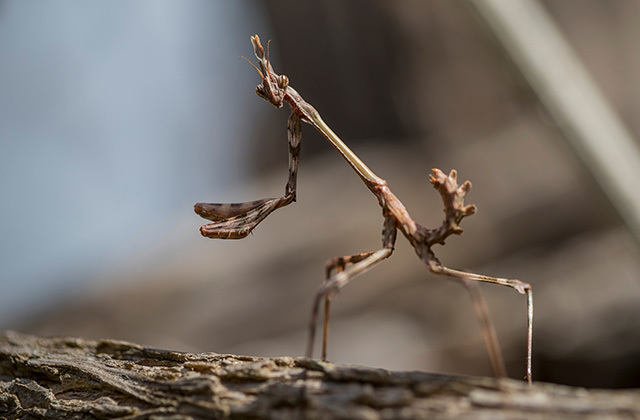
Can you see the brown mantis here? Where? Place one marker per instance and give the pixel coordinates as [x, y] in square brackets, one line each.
[237, 220]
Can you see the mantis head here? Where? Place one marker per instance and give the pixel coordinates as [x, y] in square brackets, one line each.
[274, 86]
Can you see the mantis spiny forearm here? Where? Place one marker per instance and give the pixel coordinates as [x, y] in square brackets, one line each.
[235, 221]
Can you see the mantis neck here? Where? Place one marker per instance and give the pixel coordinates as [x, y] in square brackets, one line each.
[354, 161]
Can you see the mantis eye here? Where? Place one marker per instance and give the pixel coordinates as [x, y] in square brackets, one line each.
[283, 81]
[260, 91]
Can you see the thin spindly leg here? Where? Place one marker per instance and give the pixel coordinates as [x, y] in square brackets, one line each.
[358, 264]
[237, 220]
[336, 265]
[521, 287]
[331, 287]
[486, 326]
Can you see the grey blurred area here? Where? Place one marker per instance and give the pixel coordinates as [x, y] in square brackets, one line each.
[114, 118]
[409, 86]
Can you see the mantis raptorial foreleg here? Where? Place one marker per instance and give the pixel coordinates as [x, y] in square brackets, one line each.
[237, 220]
[233, 221]
[294, 137]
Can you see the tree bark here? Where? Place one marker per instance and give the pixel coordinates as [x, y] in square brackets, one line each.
[72, 378]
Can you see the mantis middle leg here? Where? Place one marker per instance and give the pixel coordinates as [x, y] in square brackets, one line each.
[345, 269]
[337, 264]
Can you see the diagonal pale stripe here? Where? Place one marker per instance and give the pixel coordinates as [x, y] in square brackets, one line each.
[361, 169]
[564, 87]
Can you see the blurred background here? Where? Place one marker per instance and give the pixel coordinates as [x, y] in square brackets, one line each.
[116, 117]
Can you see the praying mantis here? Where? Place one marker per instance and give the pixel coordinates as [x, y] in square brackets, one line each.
[237, 220]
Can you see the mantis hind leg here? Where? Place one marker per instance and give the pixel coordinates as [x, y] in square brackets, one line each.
[468, 279]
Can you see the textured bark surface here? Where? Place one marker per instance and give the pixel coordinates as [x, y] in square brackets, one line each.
[72, 378]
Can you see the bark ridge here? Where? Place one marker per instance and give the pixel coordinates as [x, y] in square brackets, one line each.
[73, 378]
